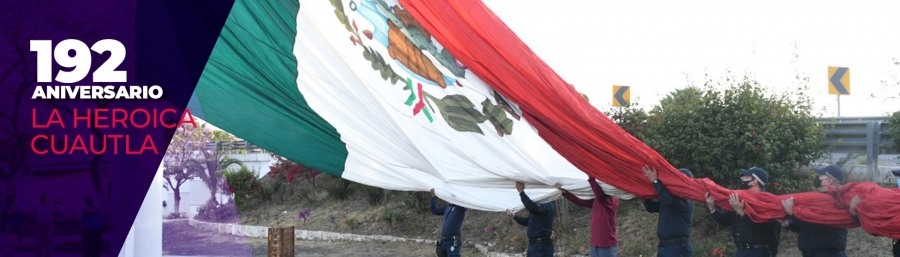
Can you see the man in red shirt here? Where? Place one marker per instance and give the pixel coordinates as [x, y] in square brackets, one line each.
[603, 219]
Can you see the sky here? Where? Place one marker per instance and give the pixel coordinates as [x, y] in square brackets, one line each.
[657, 47]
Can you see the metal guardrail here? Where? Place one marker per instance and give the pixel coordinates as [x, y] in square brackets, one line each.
[235, 147]
[853, 119]
[865, 135]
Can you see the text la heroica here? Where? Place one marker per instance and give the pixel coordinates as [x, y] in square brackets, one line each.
[97, 92]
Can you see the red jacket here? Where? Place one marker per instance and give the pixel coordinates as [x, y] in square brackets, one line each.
[603, 215]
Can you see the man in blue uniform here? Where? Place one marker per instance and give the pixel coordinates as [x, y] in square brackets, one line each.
[855, 202]
[451, 230]
[752, 239]
[674, 225]
[92, 220]
[540, 224]
[817, 240]
[10, 226]
[896, 245]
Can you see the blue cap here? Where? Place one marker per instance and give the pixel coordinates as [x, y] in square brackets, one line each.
[689, 174]
[761, 174]
[832, 170]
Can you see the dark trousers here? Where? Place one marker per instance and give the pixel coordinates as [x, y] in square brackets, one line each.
[540, 250]
[91, 242]
[44, 233]
[758, 252]
[825, 254]
[451, 247]
[685, 249]
[896, 249]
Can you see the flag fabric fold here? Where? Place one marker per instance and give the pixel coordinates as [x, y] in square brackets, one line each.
[357, 89]
[414, 95]
[595, 144]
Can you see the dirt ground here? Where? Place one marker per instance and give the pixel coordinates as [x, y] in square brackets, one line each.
[181, 239]
[403, 214]
[368, 249]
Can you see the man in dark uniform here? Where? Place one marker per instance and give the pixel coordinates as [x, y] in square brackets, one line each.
[752, 239]
[674, 225]
[10, 226]
[817, 240]
[896, 245]
[854, 203]
[540, 224]
[451, 230]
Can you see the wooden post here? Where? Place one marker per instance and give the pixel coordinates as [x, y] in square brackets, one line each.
[281, 242]
[275, 242]
[288, 236]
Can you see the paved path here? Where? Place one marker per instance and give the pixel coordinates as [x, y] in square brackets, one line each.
[180, 239]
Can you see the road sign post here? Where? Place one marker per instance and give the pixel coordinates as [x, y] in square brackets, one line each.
[838, 83]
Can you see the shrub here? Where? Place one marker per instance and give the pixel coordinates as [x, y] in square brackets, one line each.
[374, 195]
[174, 215]
[421, 201]
[715, 132]
[287, 170]
[214, 212]
[392, 218]
[243, 184]
[632, 119]
[351, 223]
[340, 190]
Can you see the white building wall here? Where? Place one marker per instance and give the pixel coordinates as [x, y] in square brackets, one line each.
[195, 194]
[256, 162]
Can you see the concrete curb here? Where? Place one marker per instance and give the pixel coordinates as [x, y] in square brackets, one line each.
[174, 220]
[309, 235]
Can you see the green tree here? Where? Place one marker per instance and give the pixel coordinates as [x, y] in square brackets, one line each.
[222, 136]
[894, 129]
[632, 118]
[717, 132]
[186, 158]
[202, 162]
[892, 89]
[212, 171]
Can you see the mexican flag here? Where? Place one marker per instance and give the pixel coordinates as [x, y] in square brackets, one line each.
[358, 89]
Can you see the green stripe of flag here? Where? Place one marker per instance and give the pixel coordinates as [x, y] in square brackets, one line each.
[249, 87]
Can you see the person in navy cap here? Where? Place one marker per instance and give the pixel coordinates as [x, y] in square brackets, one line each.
[817, 240]
[896, 245]
[752, 239]
[897, 175]
[675, 213]
[855, 202]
